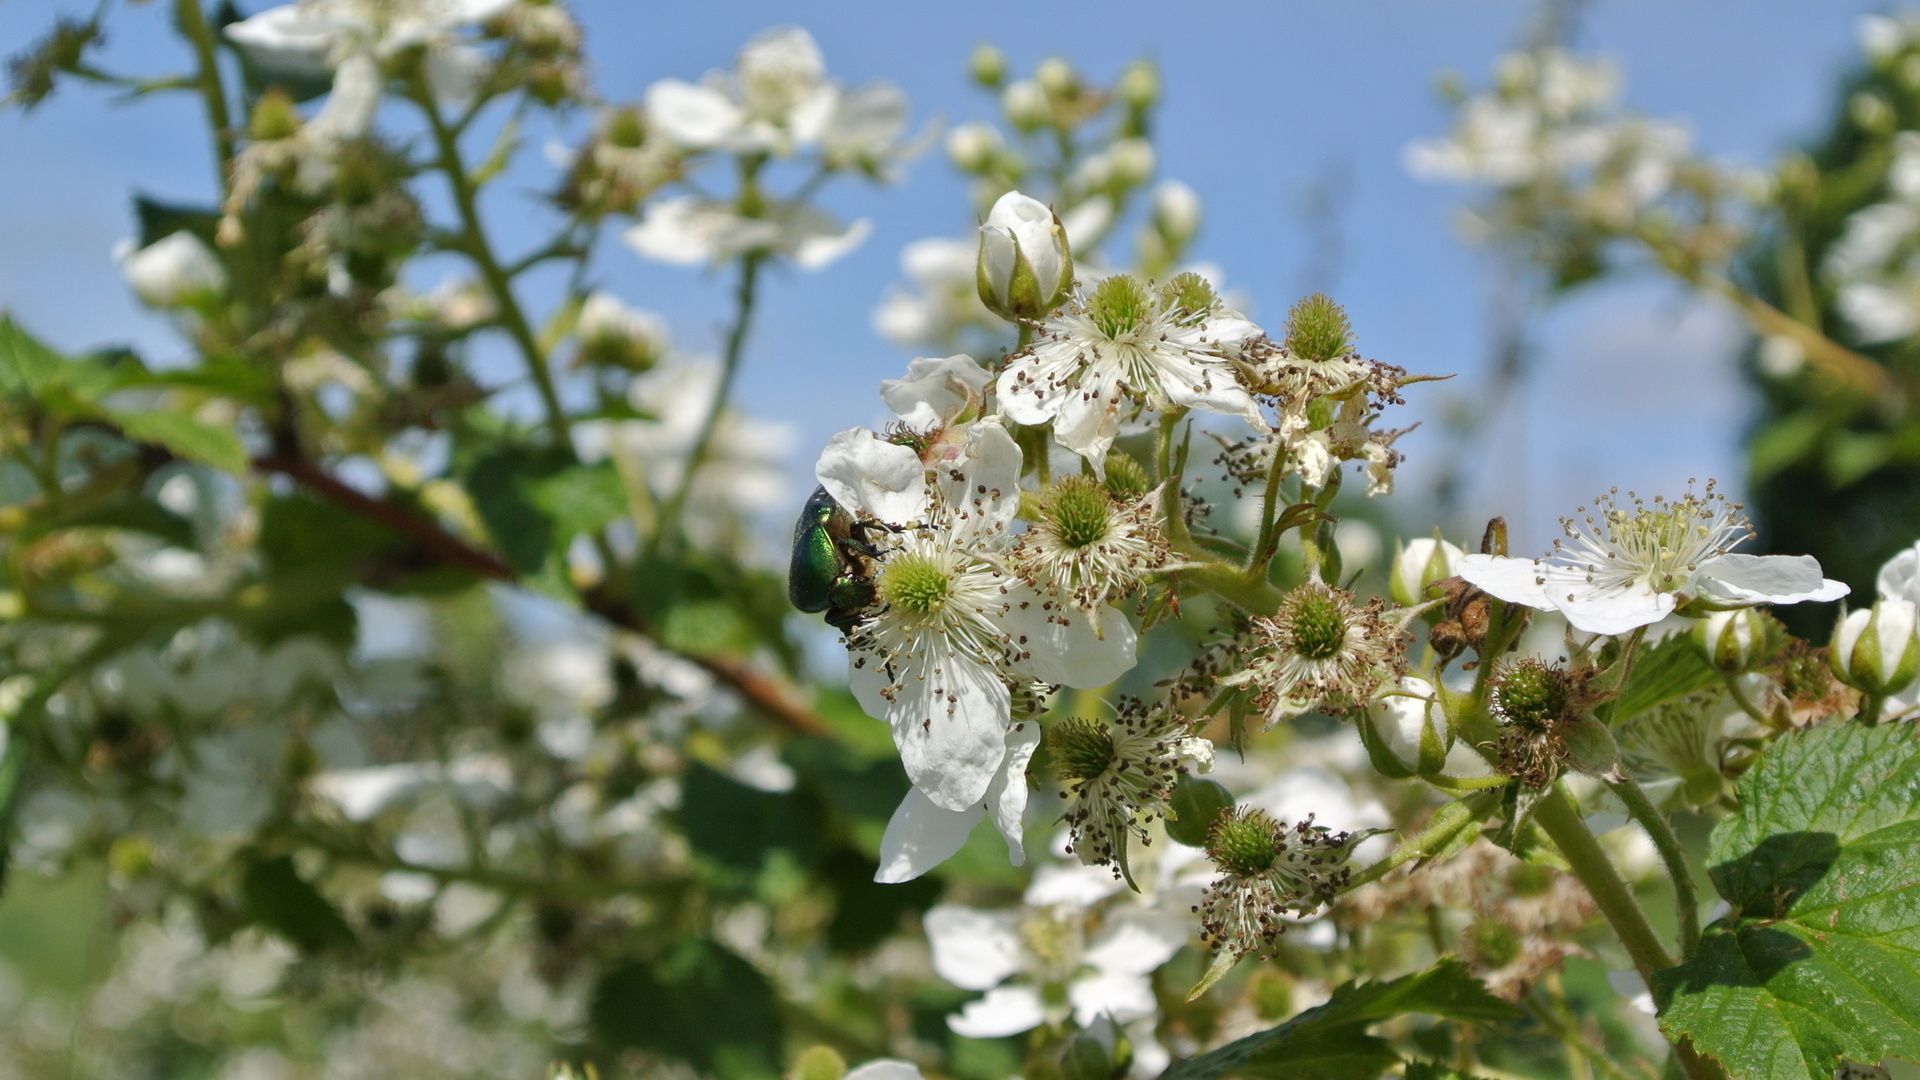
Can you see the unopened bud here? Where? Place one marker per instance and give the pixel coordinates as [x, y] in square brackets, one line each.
[1025, 266]
[1422, 562]
[1133, 161]
[1139, 85]
[1176, 213]
[1876, 650]
[1405, 732]
[1591, 748]
[1056, 77]
[176, 271]
[1739, 641]
[615, 335]
[973, 146]
[1025, 104]
[987, 65]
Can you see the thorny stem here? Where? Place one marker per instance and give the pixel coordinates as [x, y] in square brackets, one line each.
[474, 244]
[668, 526]
[1685, 900]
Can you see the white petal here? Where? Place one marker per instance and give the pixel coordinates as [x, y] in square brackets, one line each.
[1025, 388]
[1766, 579]
[1086, 224]
[1613, 608]
[935, 389]
[972, 948]
[696, 117]
[1137, 940]
[1121, 996]
[1517, 581]
[1071, 884]
[1900, 576]
[816, 251]
[1006, 1010]
[988, 485]
[1007, 796]
[885, 1069]
[921, 836]
[454, 73]
[1063, 646]
[867, 474]
[288, 40]
[684, 231]
[348, 113]
[951, 728]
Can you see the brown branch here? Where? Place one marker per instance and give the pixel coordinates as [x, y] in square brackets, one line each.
[764, 693]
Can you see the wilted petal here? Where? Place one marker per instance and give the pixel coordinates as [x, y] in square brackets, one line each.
[921, 836]
[867, 474]
[1766, 579]
[1006, 1010]
[972, 948]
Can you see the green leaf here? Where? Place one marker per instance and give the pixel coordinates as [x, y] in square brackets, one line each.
[129, 512]
[1667, 669]
[702, 1004]
[580, 499]
[274, 895]
[865, 912]
[185, 437]
[501, 484]
[736, 825]
[159, 220]
[25, 364]
[1819, 959]
[1330, 1042]
[1783, 443]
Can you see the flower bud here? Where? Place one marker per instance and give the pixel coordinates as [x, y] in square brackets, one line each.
[615, 335]
[1025, 266]
[1876, 650]
[1139, 85]
[973, 146]
[1025, 104]
[1176, 213]
[1419, 564]
[1591, 748]
[988, 65]
[1405, 732]
[176, 271]
[819, 1063]
[1737, 641]
[1056, 77]
[1133, 161]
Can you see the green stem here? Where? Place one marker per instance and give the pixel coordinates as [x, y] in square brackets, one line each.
[1557, 815]
[1870, 713]
[744, 296]
[474, 243]
[1685, 900]
[192, 23]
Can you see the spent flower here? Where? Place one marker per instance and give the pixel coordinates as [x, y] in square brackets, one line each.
[1118, 776]
[1268, 870]
[1322, 650]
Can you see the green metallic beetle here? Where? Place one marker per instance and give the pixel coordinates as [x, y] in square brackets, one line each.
[832, 569]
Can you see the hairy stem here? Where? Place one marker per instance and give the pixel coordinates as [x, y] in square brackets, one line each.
[1685, 900]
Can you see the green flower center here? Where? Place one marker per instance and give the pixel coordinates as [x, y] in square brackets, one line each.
[1317, 628]
[1317, 329]
[1079, 511]
[1190, 294]
[914, 583]
[1126, 478]
[1244, 842]
[1531, 694]
[1119, 305]
[1082, 748]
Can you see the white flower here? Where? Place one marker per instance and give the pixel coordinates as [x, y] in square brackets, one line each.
[178, 270]
[1422, 562]
[1108, 976]
[1899, 577]
[691, 229]
[353, 39]
[936, 392]
[952, 634]
[1176, 211]
[885, 1069]
[609, 329]
[777, 98]
[1627, 568]
[1323, 651]
[1122, 344]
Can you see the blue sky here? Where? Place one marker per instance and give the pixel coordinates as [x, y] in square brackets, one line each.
[1262, 100]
